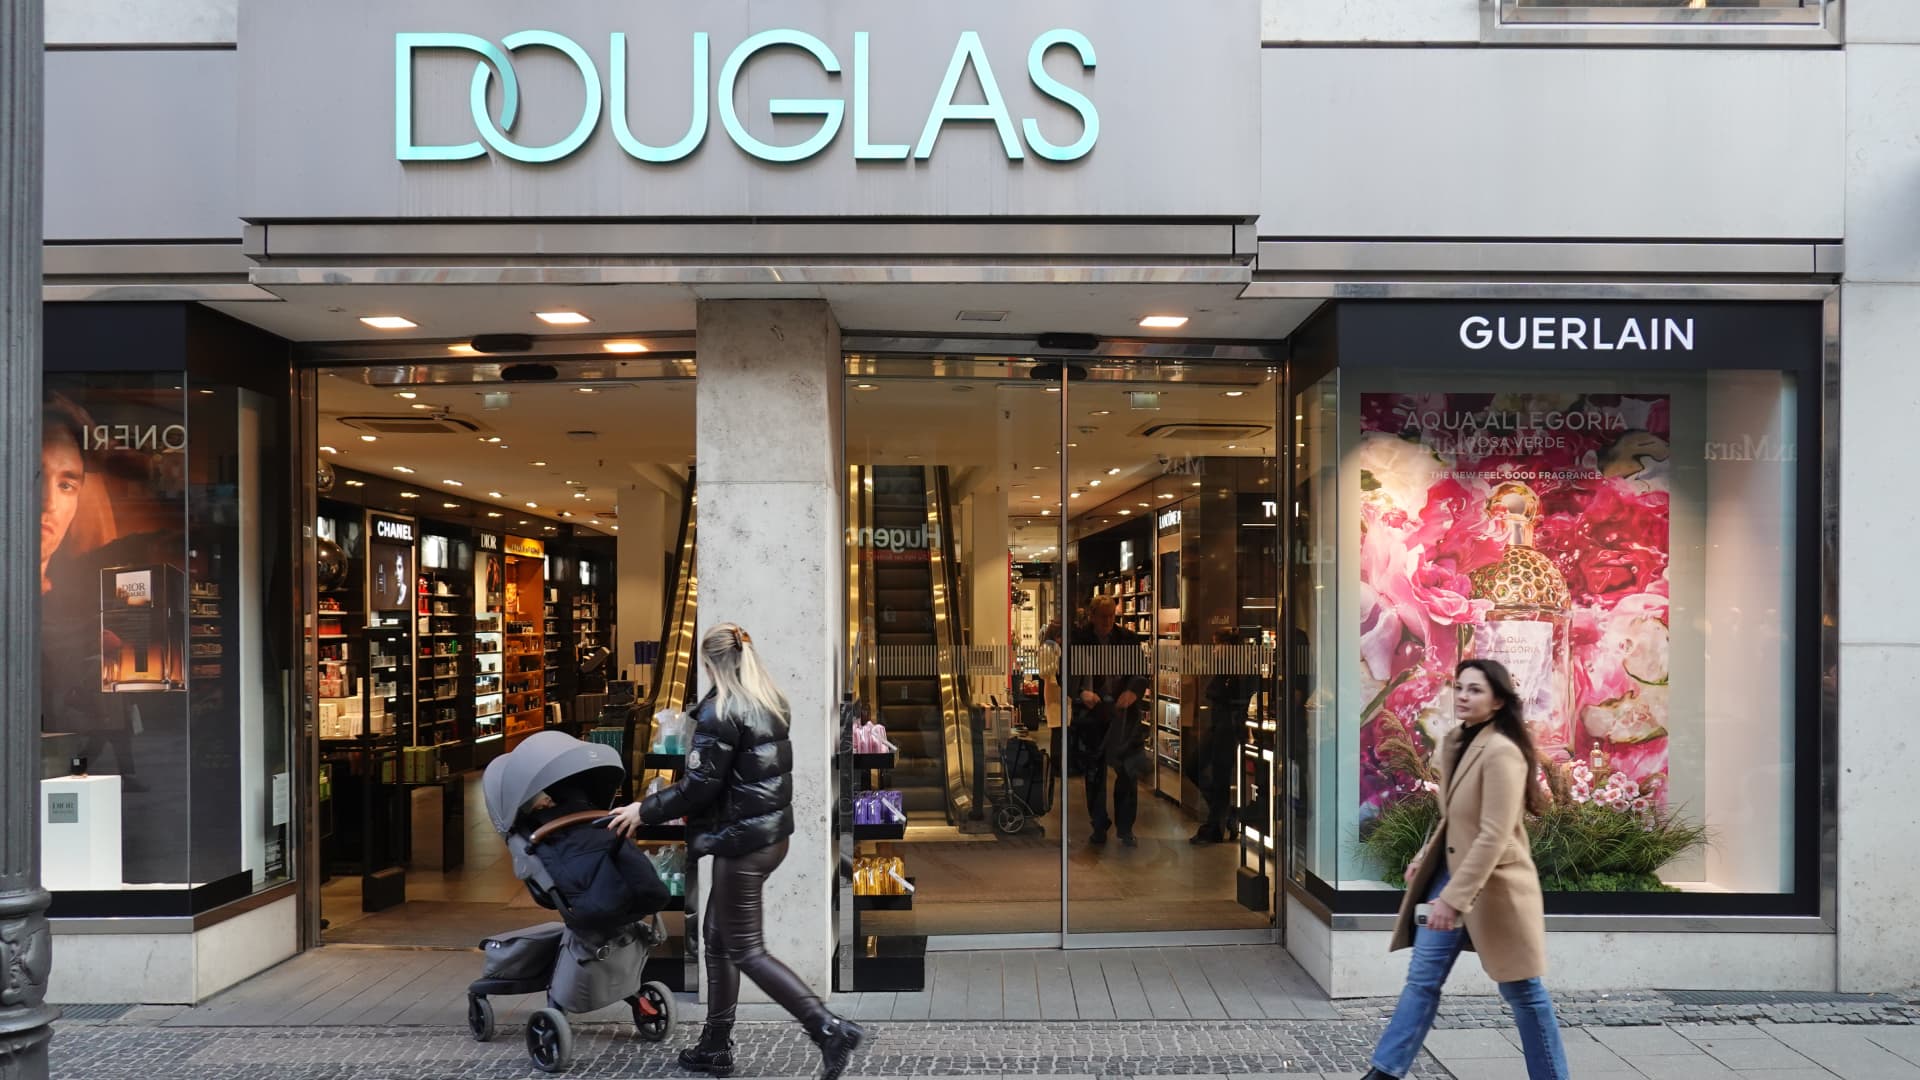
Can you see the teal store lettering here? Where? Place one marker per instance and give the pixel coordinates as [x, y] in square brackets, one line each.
[496, 62]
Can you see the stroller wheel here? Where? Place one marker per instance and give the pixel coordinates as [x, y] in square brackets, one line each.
[1008, 820]
[549, 1040]
[480, 1018]
[653, 1012]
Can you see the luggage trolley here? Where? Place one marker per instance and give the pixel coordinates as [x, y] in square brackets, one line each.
[1020, 780]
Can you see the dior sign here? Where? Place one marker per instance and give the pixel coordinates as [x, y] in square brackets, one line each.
[1065, 138]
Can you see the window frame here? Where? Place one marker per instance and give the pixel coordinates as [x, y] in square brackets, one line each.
[1576, 23]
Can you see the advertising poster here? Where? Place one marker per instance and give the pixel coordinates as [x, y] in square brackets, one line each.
[1528, 528]
[113, 601]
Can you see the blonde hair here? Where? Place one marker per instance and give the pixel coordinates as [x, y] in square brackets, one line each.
[741, 685]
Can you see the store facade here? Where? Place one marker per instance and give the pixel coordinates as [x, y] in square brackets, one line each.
[1417, 366]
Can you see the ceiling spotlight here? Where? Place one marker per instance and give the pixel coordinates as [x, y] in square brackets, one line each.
[568, 318]
[523, 521]
[1053, 389]
[586, 390]
[624, 347]
[493, 513]
[1163, 322]
[495, 495]
[1166, 496]
[566, 513]
[1035, 498]
[579, 494]
[1093, 483]
[369, 438]
[1101, 412]
[356, 483]
[1113, 472]
[490, 438]
[865, 386]
[533, 506]
[1124, 513]
[1046, 513]
[389, 322]
[1075, 495]
[1196, 483]
[401, 468]
[408, 495]
[616, 528]
[1234, 393]
[538, 464]
[328, 450]
[406, 395]
[453, 483]
[1233, 446]
[450, 506]
[1142, 506]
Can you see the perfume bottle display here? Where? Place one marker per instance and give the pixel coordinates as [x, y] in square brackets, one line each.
[143, 619]
[1528, 628]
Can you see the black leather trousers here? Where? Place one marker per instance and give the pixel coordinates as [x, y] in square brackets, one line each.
[736, 945]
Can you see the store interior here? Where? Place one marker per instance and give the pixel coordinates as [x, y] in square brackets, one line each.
[503, 549]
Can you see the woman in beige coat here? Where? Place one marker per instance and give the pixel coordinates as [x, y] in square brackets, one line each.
[1482, 891]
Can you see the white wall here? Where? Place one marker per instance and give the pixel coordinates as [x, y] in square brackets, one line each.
[1573, 143]
[142, 22]
[1879, 677]
[1322, 21]
[649, 526]
[171, 969]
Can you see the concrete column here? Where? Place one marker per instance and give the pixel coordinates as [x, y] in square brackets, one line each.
[26, 947]
[769, 558]
[1879, 666]
[648, 520]
[987, 555]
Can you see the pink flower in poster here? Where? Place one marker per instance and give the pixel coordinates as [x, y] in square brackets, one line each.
[1642, 761]
[1609, 542]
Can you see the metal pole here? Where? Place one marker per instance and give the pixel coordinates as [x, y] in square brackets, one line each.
[26, 946]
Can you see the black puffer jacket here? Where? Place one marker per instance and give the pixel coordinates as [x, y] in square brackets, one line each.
[737, 793]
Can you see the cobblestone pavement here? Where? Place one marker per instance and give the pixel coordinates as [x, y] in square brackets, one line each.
[1627, 1036]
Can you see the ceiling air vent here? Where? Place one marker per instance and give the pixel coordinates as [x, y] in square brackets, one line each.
[1201, 430]
[412, 424]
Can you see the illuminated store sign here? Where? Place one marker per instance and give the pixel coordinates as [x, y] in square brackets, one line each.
[969, 54]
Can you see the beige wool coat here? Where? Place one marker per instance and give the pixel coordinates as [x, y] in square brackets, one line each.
[1482, 836]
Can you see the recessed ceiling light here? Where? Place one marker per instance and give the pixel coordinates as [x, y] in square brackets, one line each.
[865, 386]
[1124, 513]
[389, 322]
[1075, 495]
[1093, 483]
[1234, 393]
[421, 405]
[1142, 506]
[401, 468]
[1046, 513]
[538, 464]
[1038, 468]
[356, 483]
[450, 506]
[1163, 322]
[616, 528]
[579, 494]
[523, 521]
[1113, 472]
[562, 318]
[1166, 496]
[1101, 412]
[1035, 498]
[1053, 389]
[1073, 446]
[493, 513]
[328, 450]
[566, 513]
[463, 349]
[624, 347]
[406, 395]
[495, 495]
[369, 438]
[533, 506]
[453, 483]
[1196, 483]
[586, 390]
[409, 495]
[1233, 446]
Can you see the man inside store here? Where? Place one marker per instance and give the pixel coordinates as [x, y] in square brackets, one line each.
[1108, 733]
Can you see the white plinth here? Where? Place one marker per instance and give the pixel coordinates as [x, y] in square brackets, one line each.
[80, 833]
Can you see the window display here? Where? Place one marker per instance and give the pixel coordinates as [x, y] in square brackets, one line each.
[1598, 534]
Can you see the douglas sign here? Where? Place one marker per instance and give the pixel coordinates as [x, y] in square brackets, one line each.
[1058, 63]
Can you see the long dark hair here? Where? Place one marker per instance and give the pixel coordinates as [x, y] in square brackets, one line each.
[1509, 722]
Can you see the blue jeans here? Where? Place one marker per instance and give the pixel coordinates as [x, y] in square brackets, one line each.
[1434, 952]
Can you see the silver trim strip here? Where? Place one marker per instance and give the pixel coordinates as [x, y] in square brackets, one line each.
[1438, 289]
[1542, 257]
[171, 924]
[815, 240]
[156, 290]
[973, 942]
[154, 260]
[794, 277]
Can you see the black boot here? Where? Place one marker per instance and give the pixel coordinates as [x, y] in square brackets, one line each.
[713, 1054]
[837, 1038]
[1376, 1074]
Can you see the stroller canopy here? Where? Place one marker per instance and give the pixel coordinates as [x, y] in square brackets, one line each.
[544, 759]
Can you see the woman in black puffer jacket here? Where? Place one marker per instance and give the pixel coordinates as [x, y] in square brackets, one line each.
[737, 797]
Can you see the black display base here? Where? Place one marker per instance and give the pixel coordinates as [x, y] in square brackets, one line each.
[1252, 889]
[896, 963]
[882, 762]
[879, 832]
[383, 889]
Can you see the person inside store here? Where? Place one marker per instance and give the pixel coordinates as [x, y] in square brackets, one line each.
[1482, 891]
[1050, 683]
[737, 798]
[1108, 732]
[1217, 764]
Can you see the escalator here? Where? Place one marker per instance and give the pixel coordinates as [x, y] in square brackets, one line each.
[677, 641]
[905, 682]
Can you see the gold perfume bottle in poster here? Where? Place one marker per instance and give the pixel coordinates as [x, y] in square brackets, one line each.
[142, 628]
[1528, 628]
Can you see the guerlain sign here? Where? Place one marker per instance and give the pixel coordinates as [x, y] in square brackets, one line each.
[1546, 333]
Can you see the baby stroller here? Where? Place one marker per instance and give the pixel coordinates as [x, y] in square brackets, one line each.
[578, 971]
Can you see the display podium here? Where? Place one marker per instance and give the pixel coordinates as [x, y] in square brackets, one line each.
[80, 833]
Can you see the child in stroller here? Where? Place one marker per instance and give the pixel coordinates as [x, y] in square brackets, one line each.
[543, 798]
